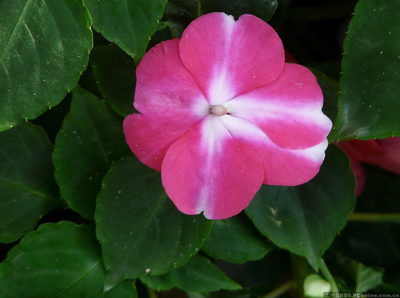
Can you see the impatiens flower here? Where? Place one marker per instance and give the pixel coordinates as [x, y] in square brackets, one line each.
[384, 153]
[221, 113]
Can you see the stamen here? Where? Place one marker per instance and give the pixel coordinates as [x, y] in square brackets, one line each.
[218, 110]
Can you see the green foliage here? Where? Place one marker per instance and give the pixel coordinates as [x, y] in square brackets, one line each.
[57, 260]
[98, 223]
[140, 229]
[368, 104]
[236, 240]
[128, 23]
[179, 13]
[44, 47]
[28, 189]
[85, 150]
[115, 76]
[305, 219]
[198, 275]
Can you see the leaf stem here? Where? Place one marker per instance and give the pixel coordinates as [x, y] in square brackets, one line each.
[379, 217]
[151, 292]
[327, 274]
[281, 289]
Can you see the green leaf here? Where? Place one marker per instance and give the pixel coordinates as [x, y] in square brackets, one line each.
[361, 278]
[180, 13]
[44, 47]
[115, 76]
[125, 289]
[368, 104]
[57, 260]
[128, 23]
[305, 219]
[28, 187]
[236, 240]
[197, 275]
[140, 229]
[264, 9]
[90, 141]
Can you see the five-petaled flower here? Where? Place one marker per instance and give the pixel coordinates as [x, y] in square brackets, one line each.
[221, 113]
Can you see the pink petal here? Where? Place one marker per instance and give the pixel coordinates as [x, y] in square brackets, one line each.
[166, 89]
[384, 153]
[228, 57]
[149, 140]
[170, 101]
[359, 174]
[288, 109]
[209, 170]
[281, 166]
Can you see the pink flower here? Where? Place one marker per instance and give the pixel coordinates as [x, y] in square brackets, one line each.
[222, 113]
[384, 153]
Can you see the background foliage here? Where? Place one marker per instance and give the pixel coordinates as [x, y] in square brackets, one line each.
[80, 216]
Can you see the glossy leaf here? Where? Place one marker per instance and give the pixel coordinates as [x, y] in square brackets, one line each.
[140, 229]
[114, 71]
[90, 141]
[44, 47]
[179, 13]
[236, 240]
[197, 275]
[128, 23]
[28, 187]
[305, 219]
[368, 104]
[57, 260]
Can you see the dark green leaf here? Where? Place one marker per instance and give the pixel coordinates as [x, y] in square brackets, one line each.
[236, 240]
[125, 289]
[91, 139]
[128, 23]
[114, 71]
[57, 260]
[264, 9]
[368, 104]
[197, 275]
[180, 13]
[140, 229]
[305, 219]
[361, 278]
[44, 47]
[28, 189]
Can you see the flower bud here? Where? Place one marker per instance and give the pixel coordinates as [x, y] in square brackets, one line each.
[315, 286]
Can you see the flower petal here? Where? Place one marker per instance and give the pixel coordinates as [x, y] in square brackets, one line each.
[149, 140]
[209, 170]
[281, 166]
[288, 109]
[170, 101]
[166, 89]
[228, 57]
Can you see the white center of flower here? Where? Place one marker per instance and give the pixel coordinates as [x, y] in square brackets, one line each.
[218, 110]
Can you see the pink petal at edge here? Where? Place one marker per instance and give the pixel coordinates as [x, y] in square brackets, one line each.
[149, 140]
[170, 101]
[288, 109]
[209, 170]
[228, 57]
[166, 89]
[281, 166]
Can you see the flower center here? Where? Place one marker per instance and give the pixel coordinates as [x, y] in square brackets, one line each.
[218, 110]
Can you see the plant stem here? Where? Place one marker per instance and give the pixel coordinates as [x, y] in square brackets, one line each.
[378, 217]
[327, 274]
[151, 292]
[280, 290]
